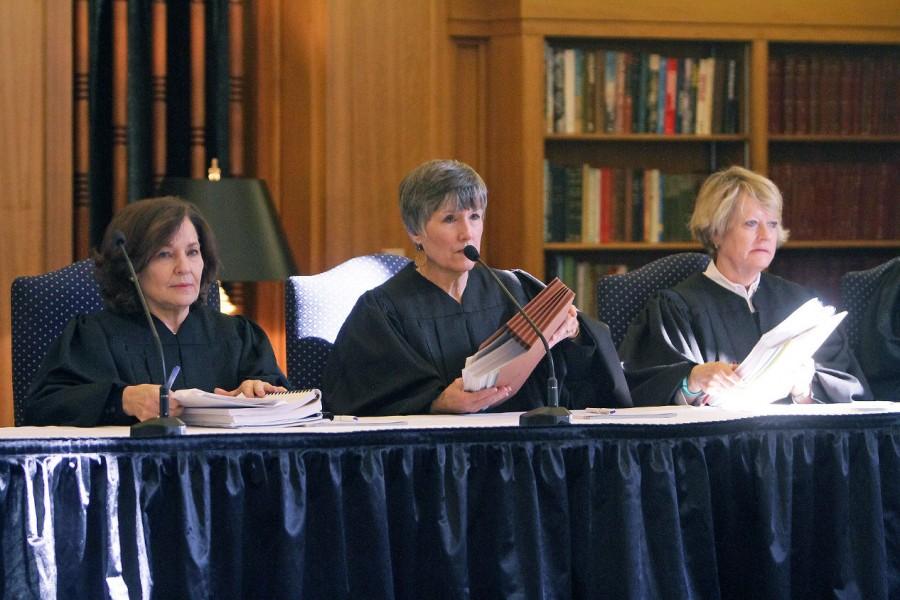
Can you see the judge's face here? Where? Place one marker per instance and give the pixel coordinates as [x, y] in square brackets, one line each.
[748, 244]
[445, 235]
[171, 280]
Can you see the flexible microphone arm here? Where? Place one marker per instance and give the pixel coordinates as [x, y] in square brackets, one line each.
[164, 424]
[552, 387]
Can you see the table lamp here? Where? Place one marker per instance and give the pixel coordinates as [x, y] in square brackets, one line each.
[252, 245]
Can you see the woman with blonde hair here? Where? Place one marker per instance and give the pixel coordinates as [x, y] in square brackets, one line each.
[686, 344]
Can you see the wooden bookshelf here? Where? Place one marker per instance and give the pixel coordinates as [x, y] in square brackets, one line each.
[519, 140]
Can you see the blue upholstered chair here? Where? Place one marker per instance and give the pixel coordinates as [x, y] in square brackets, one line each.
[857, 288]
[316, 306]
[621, 297]
[41, 307]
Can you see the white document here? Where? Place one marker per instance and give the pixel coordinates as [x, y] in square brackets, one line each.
[511, 353]
[205, 409]
[767, 373]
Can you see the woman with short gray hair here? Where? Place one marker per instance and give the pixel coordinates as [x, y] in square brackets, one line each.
[403, 347]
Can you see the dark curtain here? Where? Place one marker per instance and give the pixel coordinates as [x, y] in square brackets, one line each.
[218, 86]
[100, 120]
[140, 135]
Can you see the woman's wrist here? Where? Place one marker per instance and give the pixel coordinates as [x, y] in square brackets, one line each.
[575, 335]
[686, 389]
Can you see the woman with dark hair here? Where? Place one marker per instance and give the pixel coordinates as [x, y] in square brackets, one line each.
[404, 345]
[104, 369]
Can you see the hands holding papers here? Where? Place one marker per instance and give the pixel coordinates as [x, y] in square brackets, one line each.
[781, 361]
[509, 356]
[204, 409]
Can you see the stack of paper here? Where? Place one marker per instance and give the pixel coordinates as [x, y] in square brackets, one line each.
[205, 409]
[509, 356]
[768, 372]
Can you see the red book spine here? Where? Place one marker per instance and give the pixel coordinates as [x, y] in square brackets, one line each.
[829, 95]
[854, 202]
[671, 94]
[855, 99]
[846, 95]
[789, 104]
[815, 82]
[606, 205]
[776, 94]
[621, 76]
[866, 96]
[868, 205]
[801, 96]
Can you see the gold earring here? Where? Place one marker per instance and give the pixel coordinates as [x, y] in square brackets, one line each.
[420, 257]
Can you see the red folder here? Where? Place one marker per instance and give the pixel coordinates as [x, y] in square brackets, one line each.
[512, 352]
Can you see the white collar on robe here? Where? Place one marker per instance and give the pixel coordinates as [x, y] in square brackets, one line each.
[746, 293]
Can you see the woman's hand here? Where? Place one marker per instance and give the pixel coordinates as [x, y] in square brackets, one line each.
[252, 388]
[142, 401]
[713, 378]
[454, 399]
[569, 328]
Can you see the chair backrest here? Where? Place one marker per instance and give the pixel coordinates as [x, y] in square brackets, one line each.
[857, 288]
[316, 307]
[41, 306]
[620, 297]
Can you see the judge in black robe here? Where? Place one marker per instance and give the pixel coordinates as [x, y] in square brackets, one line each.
[878, 348]
[407, 340]
[404, 345]
[686, 344]
[104, 368]
[80, 381]
[699, 321]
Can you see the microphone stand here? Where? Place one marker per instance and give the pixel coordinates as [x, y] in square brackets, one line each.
[163, 425]
[553, 414]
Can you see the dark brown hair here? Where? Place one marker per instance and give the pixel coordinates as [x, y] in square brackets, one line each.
[148, 225]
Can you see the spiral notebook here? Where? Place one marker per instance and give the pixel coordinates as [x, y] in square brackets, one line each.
[206, 409]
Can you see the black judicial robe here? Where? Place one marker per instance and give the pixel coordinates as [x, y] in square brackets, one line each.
[81, 379]
[699, 321]
[879, 333]
[407, 340]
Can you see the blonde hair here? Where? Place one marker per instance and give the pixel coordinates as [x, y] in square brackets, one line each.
[719, 198]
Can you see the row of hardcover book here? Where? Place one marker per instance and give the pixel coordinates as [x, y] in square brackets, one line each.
[840, 200]
[834, 94]
[582, 276]
[594, 205]
[620, 92]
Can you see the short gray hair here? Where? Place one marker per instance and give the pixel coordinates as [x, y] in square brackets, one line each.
[718, 199]
[427, 187]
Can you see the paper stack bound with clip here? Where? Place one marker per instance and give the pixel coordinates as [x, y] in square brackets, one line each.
[767, 372]
[205, 409]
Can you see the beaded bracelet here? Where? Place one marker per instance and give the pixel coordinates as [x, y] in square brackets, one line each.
[688, 392]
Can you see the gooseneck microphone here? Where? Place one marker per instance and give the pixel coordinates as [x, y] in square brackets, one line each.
[164, 425]
[553, 414]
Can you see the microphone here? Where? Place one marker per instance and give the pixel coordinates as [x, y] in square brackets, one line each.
[163, 425]
[553, 414]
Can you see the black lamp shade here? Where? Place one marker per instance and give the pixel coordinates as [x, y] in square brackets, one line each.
[252, 246]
